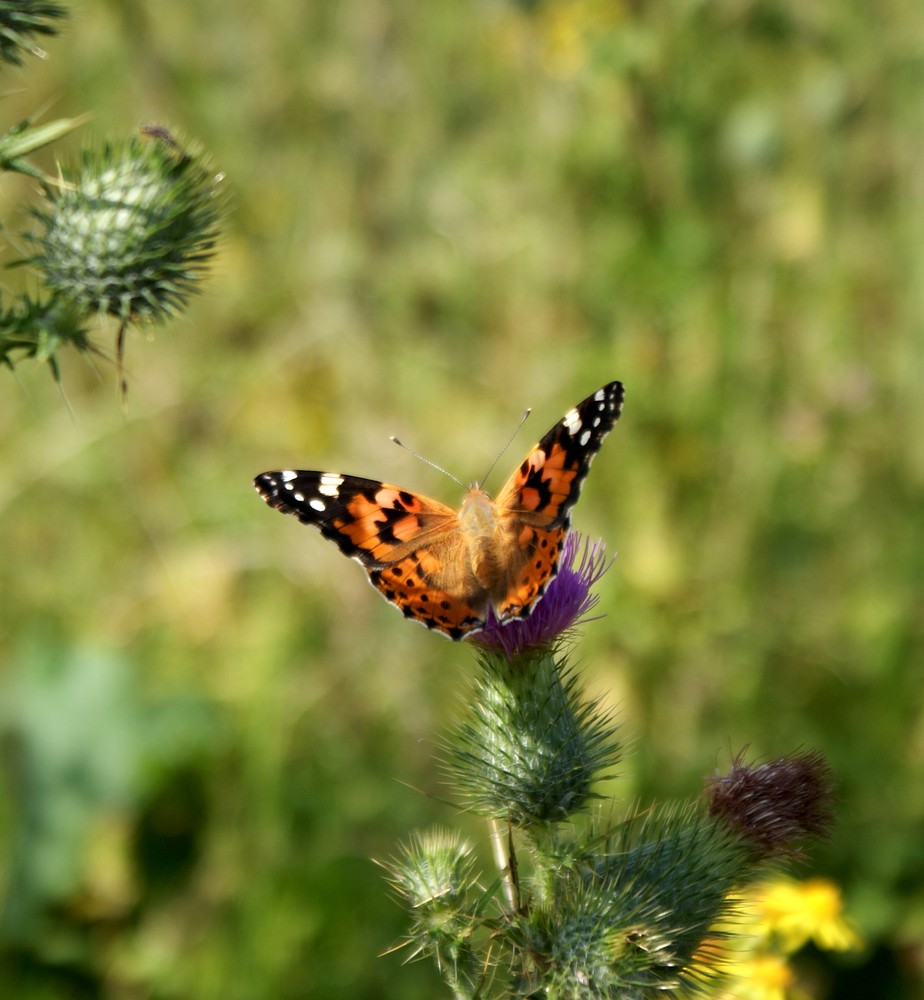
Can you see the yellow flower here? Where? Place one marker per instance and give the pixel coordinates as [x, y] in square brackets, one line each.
[764, 977]
[770, 921]
[757, 976]
[798, 912]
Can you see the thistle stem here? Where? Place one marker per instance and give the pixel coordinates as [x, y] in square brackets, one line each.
[502, 860]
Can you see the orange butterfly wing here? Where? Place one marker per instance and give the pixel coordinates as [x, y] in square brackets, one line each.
[409, 544]
[534, 505]
[435, 586]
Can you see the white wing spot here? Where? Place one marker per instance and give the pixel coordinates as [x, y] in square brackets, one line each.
[316, 504]
[572, 421]
[287, 475]
[300, 497]
[600, 395]
[330, 483]
[585, 437]
[288, 486]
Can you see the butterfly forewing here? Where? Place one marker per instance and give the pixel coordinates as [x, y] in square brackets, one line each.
[548, 481]
[368, 520]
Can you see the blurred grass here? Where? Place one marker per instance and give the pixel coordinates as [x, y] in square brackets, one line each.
[445, 213]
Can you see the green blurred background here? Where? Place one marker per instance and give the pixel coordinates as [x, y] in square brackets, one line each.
[441, 214]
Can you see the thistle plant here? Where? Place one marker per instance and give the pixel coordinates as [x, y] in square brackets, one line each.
[125, 233]
[582, 905]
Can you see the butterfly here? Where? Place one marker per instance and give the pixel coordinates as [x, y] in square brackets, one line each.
[446, 567]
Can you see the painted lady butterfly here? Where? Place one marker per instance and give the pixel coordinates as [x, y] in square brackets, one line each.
[445, 567]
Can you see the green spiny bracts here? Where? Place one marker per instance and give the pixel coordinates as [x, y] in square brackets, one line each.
[434, 870]
[38, 329]
[129, 231]
[20, 21]
[531, 747]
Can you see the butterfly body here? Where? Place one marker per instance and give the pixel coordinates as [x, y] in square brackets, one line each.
[446, 567]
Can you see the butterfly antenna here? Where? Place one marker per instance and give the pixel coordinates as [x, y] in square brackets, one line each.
[427, 461]
[516, 431]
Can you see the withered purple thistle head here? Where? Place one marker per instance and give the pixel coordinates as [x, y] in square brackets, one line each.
[778, 805]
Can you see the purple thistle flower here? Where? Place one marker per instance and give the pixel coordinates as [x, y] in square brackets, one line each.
[565, 603]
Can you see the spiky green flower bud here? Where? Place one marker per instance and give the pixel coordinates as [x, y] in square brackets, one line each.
[129, 231]
[20, 20]
[531, 746]
[434, 877]
[434, 871]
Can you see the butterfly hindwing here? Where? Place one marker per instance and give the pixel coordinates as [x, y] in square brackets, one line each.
[426, 585]
[531, 570]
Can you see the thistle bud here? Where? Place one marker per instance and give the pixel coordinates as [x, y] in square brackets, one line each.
[129, 231]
